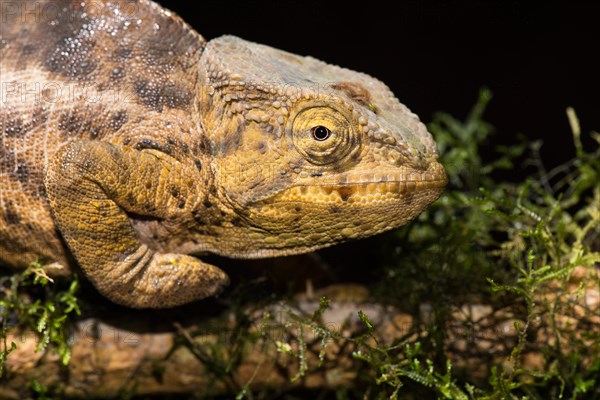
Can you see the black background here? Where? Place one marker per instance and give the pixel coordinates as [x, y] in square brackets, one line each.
[536, 57]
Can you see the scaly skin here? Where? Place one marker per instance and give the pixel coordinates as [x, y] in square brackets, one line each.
[128, 142]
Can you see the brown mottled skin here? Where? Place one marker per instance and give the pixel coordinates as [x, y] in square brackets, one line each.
[127, 142]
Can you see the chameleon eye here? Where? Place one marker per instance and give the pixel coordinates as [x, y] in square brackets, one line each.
[320, 133]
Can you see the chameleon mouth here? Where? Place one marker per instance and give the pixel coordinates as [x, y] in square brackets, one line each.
[366, 189]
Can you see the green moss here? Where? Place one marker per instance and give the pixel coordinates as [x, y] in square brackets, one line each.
[525, 239]
[31, 300]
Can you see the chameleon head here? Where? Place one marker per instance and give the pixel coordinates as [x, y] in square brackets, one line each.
[309, 154]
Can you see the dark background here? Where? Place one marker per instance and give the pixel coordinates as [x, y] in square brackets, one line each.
[536, 57]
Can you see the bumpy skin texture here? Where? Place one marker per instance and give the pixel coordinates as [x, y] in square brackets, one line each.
[128, 142]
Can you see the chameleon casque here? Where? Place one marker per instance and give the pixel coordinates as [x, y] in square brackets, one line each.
[128, 142]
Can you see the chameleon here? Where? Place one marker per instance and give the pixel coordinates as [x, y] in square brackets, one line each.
[130, 146]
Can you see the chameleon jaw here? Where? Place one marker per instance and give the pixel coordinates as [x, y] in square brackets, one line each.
[310, 216]
[320, 211]
[379, 187]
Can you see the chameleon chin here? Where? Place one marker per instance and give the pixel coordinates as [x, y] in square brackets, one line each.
[129, 142]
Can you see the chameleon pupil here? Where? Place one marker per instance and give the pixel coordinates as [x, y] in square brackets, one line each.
[321, 133]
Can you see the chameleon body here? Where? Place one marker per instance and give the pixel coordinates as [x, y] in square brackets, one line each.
[129, 142]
